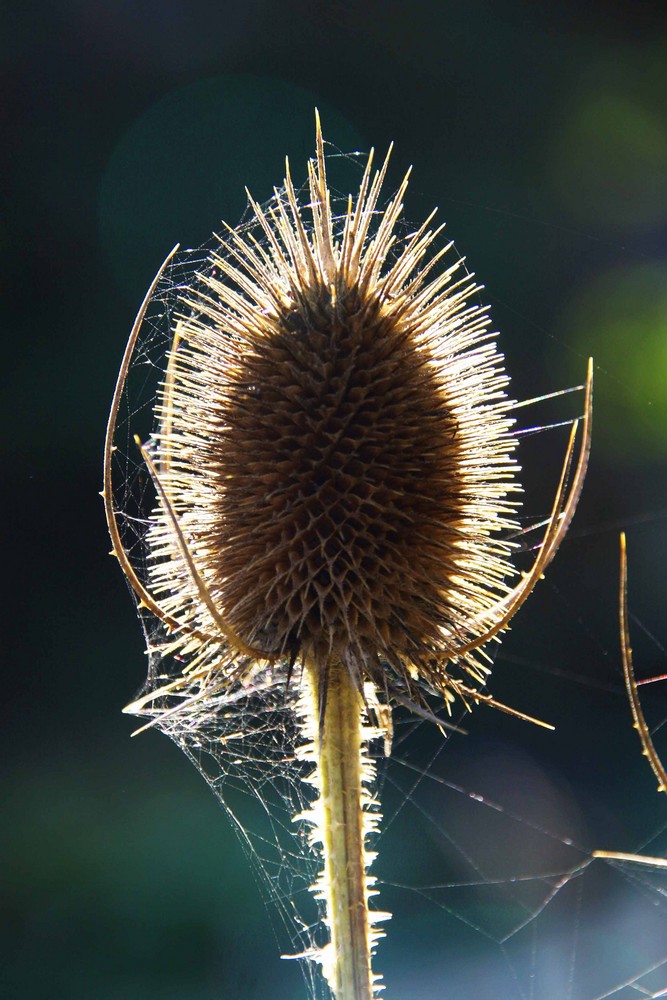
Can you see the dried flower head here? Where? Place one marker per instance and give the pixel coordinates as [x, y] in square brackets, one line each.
[334, 460]
[336, 485]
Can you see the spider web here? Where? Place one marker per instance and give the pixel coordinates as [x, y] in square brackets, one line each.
[525, 908]
[495, 867]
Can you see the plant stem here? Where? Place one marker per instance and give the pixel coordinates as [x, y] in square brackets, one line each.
[341, 822]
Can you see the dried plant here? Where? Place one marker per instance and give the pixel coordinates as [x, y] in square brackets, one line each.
[336, 490]
[639, 720]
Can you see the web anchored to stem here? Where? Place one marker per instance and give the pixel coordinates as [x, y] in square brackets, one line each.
[332, 458]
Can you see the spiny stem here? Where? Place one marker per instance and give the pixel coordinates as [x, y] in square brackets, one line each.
[341, 822]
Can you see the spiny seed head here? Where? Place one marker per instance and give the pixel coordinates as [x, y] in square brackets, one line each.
[334, 444]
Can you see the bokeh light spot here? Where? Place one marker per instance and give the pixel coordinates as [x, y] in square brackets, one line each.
[621, 319]
[609, 163]
[182, 166]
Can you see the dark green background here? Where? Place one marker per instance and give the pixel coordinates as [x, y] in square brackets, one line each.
[540, 132]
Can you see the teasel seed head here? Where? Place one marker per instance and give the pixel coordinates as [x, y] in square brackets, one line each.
[334, 458]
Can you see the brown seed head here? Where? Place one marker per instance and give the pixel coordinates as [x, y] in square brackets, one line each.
[334, 443]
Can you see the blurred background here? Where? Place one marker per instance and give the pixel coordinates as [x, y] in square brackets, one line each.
[540, 132]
